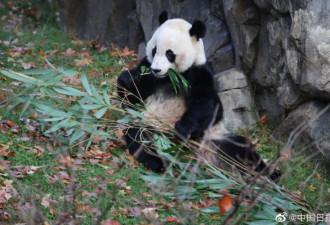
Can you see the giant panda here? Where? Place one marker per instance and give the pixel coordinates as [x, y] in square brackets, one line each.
[196, 114]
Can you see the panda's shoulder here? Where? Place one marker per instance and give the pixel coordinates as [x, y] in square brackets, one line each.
[200, 74]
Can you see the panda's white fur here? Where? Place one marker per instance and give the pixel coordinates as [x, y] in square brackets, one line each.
[174, 34]
[161, 110]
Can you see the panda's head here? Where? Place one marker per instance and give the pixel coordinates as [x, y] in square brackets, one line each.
[176, 44]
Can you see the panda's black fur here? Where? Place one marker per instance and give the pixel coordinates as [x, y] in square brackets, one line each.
[202, 109]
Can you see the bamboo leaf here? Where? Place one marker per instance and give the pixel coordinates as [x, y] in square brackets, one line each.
[173, 83]
[53, 119]
[106, 96]
[211, 210]
[184, 82]
[85, 83]
[69, 91]
[76, 135]
[47, 110]
[96, 95]
[62, 124]
[51, 65]
[21, 77]
[100, 113]
[67, 72]
[91, 107]
[143, 69]
[175, 76]
[135, 113]
[127, 118]
[26, 105]
[38, 72]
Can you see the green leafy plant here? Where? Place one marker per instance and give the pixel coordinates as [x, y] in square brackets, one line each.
[177, 79]
[44, 92]
[144, 71]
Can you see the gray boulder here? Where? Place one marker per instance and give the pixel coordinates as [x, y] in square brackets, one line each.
[242, 17]
[235, 94]
[311, 123]
[109, 21]
[308, 57]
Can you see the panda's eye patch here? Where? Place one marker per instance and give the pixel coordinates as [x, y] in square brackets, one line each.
[154, 51]
[170, 55]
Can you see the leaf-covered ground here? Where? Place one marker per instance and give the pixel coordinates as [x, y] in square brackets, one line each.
[102, 181]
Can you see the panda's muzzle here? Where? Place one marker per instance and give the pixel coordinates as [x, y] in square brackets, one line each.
[155, 72]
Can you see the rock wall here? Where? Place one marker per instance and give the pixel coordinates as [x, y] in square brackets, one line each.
[270, 55]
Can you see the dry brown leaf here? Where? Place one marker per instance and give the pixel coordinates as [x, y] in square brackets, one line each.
[173, 219]
[45, 201]
[311, 188]
[119, 134]
[298, 193]
[150, 213]
[75, 80]
[33, 12]
[225, 203]
[68, 52]
[110, 222]
[27, 66]
[83, 62]
[263, 119]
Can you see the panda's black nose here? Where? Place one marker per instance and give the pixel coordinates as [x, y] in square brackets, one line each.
[156, 70]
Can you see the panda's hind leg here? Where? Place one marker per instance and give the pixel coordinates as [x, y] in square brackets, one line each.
[143, 152]
[240, 149]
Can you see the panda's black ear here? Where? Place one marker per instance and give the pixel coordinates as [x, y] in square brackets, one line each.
[198, 29]
[163, 17]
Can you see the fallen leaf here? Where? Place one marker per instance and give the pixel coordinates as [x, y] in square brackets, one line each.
[262, 120]
[299, 194]
[33, 12]
[64, 175]
[311, 188]
[225, 203]
[207, 203]
[69, 52]
[27, 66]
[8, 183]
[173, 219]
[286, 154]
[45, 201]
[83, 62]
[135, 212]
[150, 213]
[72, 80]
[9, 123]
[110, 222]
[127, 52]
[85, 55]
[124, 53]
[119, 134]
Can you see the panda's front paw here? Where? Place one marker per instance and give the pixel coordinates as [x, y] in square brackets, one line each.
[185, 128]
[127, 78]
